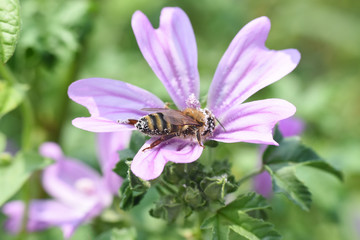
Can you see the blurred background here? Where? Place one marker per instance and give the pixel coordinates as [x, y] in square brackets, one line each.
[62, 41]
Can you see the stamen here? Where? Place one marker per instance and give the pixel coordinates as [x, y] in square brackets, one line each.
[192, 101]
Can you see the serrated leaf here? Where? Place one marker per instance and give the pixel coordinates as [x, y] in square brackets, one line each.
[10, 96]
[254, 229]
[248, 202]
[286, 182]
[324, 166]
[9, 28]
[132, 191]
[122, 167]
[14, 175]
[220, 230]
[234, 217]
[289, 150]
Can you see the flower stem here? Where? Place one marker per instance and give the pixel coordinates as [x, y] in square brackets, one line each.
[26, 143]
[251, 175]
[6, 74]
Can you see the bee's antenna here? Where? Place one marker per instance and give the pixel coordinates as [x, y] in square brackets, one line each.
[220, 124]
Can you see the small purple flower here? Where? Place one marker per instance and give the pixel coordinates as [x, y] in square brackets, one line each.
[246, 67]
[288, 127]
[79, 192]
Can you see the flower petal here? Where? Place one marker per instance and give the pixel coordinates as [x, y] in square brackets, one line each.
[150, 163]
[108, 146]
[291, 127]
[51, 150]
[263, 184]
[253, 122]
[46, 213]
[110, 101]
[248, 66]
[170, 51]
[14, 210]
[73, 182]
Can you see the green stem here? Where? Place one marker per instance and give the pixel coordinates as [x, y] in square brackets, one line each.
[28, 122]
[7, 74]
[251, 175]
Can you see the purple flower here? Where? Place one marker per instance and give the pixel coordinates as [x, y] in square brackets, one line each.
[246, 67]
[288, 127]
[79, 192]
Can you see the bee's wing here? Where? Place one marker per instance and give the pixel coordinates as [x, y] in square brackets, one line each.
[174, 117]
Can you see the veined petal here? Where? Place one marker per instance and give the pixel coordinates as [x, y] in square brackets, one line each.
[110, 101]
[108, 146]
[248, 66]
[150, 163]
[170, 51]
[253, 122]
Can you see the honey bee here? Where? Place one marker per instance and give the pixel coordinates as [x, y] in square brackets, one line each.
[168, 123]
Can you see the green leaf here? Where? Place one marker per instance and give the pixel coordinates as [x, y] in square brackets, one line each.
[136, 141]
[249, 202]
[13, 176]
[168, 208]
[291, 151]
[234, 216]
[119, 234]
[220, 228]
[132, 191]
[324, 166]
[252, 228]
[2, 142]
[286, 182]
[9, 28]
[122, 167]
[10, 96]
[211, 143]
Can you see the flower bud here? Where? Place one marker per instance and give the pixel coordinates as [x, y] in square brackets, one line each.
[193, 197]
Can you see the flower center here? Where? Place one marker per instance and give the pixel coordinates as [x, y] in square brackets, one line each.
[86, 186]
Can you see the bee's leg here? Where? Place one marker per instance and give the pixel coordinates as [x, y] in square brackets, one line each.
[167, 104]
[160, 140]
[198, 138]
[129, 121]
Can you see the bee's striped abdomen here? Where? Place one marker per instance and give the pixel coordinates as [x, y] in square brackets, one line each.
[155, 124]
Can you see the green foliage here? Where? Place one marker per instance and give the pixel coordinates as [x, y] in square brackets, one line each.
[9, 28]
[281, 162]
[56, 46]
[2, 142]
[13, 176]
[118, 234]
[188, 188]
[286, 182]
[11, 95]
[235, 216]
[133, 189]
